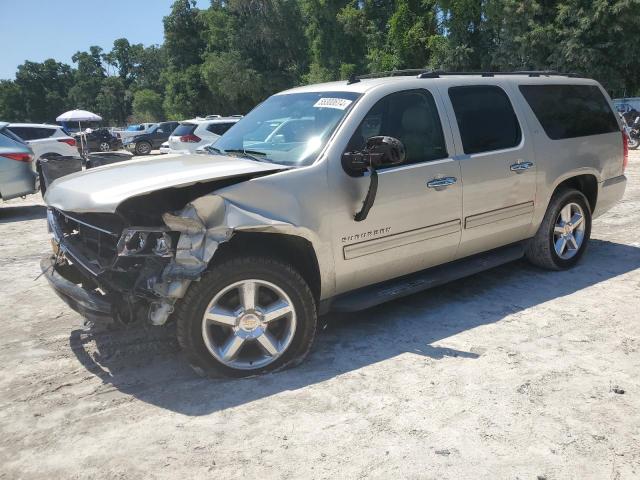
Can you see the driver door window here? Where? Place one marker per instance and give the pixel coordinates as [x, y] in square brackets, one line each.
[411, 117]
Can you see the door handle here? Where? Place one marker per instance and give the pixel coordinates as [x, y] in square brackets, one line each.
[441, 182]
[521, 166]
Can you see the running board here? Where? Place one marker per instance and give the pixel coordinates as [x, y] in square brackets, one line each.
[373, 295]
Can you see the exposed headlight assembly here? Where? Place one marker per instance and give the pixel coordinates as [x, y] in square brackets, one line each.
[145, 241]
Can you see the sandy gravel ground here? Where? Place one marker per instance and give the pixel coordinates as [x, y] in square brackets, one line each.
[509, 374]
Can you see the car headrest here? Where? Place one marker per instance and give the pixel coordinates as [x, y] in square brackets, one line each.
[416, 120]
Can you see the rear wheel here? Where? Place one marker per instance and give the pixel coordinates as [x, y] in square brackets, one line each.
[247, 316]
[633, 143]
[143, 148]
[564, 233]
[104, 147]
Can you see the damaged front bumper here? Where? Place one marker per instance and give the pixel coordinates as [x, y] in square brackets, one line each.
[65, 281]
[103, 270]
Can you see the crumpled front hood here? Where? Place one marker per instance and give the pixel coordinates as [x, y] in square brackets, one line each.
[102, 189]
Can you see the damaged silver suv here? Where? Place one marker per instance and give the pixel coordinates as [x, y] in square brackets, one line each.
[337, 197]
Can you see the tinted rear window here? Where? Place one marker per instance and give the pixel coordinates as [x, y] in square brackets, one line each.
[32, 133]
[219, 128]
[485, 118]
[569, 111]
[184, 129]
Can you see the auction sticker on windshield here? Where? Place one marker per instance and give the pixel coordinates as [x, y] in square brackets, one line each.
[328, 102]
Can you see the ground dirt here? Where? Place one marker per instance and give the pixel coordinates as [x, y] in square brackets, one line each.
[509, 374]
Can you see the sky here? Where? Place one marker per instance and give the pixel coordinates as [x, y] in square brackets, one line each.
[39, 29]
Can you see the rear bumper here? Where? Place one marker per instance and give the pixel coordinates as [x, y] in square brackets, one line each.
[64, 280]
[17, 181]
[610, 192]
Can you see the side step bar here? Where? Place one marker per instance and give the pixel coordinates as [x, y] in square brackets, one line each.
[373, 295]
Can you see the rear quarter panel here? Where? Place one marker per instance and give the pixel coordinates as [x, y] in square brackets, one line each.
[559, 160]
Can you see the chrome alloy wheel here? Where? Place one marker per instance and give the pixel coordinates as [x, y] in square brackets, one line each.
[249, 324]
[568, 232]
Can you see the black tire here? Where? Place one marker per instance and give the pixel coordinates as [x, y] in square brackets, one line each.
[143, 148]
[633, 143]
[540, 249]
[190, 311]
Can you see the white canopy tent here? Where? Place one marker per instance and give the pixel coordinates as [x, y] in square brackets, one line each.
[79, 116]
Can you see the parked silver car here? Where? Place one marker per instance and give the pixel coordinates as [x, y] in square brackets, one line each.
[17, 177]
[364, 191]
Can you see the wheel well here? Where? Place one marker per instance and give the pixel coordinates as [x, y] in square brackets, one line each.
[587, 184]
[291, 249]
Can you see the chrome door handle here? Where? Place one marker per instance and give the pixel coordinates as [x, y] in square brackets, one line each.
[441, 182]
[521, 166]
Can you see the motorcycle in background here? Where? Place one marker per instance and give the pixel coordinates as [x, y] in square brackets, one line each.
[633, 132]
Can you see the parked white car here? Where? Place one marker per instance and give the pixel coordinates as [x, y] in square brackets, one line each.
[198, 132]
[164, 148]
[45, 140]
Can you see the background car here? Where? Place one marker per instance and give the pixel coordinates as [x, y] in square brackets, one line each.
[16, 174]
[164, 148]
[151, 140]
[101, 140]
[195, 133]
[45, 140]
[134, 130]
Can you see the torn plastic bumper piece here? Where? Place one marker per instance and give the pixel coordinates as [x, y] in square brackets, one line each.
[62, 279]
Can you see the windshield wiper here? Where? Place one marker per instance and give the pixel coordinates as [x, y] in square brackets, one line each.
[249, 154]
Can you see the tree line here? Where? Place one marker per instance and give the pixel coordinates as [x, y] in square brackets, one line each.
[230, 56]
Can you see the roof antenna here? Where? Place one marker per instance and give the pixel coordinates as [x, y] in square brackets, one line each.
[352, 79]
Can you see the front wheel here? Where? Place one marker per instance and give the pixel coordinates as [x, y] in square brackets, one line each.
[247, 316]
[633, 142]
[564, 232]
[143, 148]
[104, 146]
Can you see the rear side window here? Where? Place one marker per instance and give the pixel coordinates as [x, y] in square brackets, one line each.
[219, 128]
[184, 129]
[570, 111]
[485, 118]
[32, 133]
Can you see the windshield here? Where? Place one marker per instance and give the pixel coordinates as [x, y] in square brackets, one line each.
[288, 129]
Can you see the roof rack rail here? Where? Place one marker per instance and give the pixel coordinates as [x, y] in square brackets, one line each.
[353, 78]
[529, 73]
[424, 73]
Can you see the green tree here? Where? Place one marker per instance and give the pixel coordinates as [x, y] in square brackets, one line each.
[88, 78]
[147, 106]
[44, 88]
[11, 102]
[125, 58]
[112, 102]
[182, 34]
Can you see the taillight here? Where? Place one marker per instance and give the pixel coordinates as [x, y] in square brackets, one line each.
[191, 138]
[20, 157]
[625, 150]
[69, 141]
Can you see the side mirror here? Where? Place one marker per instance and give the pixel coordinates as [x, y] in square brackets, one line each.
[378, 152]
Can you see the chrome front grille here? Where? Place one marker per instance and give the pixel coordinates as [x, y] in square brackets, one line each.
[97, 243]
